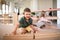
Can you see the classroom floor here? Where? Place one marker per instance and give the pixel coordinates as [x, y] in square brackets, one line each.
[6, 29]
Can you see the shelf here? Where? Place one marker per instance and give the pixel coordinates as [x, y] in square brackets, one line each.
[52, 18]
[5, 18]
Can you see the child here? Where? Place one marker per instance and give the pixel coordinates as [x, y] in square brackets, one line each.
[43, 20]
[25, 23]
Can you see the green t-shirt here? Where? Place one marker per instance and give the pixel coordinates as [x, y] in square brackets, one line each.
[24, 23]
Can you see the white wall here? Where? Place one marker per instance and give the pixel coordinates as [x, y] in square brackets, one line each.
[54, 3]
[58, 12]
[24, 5]
[42, 4]
[34, 5]
[45, 4]
[0, 9]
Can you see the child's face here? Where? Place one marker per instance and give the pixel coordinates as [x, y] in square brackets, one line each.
[27, 15]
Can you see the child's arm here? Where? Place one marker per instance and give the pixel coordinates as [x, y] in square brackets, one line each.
[16, 26]
[49, 21]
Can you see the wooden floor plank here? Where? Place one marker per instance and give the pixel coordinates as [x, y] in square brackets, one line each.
[45, 34]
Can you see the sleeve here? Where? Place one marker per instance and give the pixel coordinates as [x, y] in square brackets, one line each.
[21, 22]
[31, 21]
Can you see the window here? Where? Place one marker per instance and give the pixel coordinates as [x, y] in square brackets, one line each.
[0, 12]
[3, 8]
[16, 10]
[7, 9]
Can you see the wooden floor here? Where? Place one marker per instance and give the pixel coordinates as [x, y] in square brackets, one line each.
[44, 34]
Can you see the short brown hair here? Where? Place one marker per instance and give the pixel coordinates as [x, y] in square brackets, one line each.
[43, 13]
[27, 10]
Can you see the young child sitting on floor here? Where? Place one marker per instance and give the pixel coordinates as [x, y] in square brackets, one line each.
[43, 20]
[25, 23]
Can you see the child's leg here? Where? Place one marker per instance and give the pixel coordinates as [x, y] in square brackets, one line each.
[29, 29]
[42, 27]
[21, 30]
[35, 29]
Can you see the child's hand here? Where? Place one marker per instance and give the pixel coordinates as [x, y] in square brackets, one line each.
[13, 33]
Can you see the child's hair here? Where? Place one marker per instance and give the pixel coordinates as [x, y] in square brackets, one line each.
[43, 14]
[27, 10]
